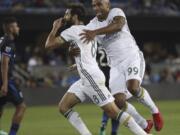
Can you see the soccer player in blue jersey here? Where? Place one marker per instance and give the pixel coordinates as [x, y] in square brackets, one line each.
[9, 92]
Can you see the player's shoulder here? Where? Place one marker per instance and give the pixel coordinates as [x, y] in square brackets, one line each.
[73, 32]
[92, 23]
[95, 19]
[116, 11]
[72, 28]
[4, 40]
[76, 29]
[70, 31]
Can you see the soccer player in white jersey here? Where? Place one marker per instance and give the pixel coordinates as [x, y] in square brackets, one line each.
[145, 124]
[91, 81]
[127, 63]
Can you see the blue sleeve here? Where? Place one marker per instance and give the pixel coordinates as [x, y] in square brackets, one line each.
[7, 50]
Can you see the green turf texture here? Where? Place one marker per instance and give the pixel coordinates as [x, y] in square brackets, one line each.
[45, 120]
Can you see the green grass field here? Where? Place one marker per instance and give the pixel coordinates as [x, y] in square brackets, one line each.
[47, 121]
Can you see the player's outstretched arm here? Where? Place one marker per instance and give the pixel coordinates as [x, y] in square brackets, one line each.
[4, 74]
[116, 25]
[52, 40]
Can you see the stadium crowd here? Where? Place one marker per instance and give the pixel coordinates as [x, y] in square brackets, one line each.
[162, 59]
[162, 65]
[132, 7]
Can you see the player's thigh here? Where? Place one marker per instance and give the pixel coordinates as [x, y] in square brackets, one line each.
[68, 101]
[99, 94]
[135, 69]
[117, 82]
[73, 96]
[3, 99]
[14, 94]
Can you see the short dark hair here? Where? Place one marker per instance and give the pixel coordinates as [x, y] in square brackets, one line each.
[79, 10]
[9, 20]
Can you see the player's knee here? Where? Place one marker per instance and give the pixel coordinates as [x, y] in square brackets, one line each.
[21, 107]
[111, 113]
[121, 103]
[133, 86]
[63, 108]
[120, 100]
[111, 110]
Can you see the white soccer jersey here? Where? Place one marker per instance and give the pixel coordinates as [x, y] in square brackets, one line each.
[118, 45]
[86, 62]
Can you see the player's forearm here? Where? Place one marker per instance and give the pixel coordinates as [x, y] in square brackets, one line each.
[4, 72]
[111, 28]
[50, 39]
[115, 26]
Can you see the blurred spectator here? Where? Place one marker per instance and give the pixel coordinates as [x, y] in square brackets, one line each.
[131, 7]
[177, 75]
[34, 61]
[167, 76]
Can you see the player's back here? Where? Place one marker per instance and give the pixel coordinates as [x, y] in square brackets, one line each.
[86, 61]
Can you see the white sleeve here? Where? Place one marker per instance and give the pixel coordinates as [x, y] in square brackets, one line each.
[116, 12]
[68, 34]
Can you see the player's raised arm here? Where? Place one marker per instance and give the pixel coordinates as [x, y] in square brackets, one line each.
[52, 40]
[115, 26]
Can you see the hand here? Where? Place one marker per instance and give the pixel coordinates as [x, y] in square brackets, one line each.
[4, 90]
[87, 36]
[58, 23]
[72, 67]
[74, 51]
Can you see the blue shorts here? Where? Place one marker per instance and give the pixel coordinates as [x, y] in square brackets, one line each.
[13, 96]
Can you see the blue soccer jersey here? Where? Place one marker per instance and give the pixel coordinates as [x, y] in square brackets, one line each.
[8, 49]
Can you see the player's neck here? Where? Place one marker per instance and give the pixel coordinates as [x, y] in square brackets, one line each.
[79, 22]
[104, 17]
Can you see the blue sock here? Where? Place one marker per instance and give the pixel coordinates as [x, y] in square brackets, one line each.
[14, 129]
[115, 126]
[104, 121]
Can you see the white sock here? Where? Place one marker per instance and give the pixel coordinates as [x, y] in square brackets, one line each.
[77, 123]
[145, 99]
[130, 123]
[137, 117]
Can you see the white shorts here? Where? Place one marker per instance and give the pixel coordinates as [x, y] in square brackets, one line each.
[98, 93]
[131, 68]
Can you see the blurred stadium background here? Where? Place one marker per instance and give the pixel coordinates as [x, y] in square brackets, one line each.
[44, 78]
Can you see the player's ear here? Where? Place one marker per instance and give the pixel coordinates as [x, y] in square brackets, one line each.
[10, 28]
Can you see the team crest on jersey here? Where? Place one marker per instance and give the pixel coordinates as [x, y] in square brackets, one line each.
[8, 49]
